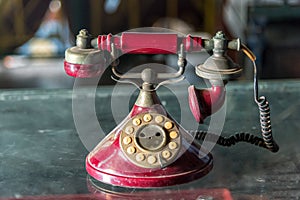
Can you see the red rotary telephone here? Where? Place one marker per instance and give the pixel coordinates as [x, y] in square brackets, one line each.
[149, 148]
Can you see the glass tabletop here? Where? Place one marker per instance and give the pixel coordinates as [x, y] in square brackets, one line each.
[41, 153]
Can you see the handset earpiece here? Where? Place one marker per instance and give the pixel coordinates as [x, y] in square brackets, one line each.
[218, 69]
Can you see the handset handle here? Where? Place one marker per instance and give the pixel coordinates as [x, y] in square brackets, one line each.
[149, 43]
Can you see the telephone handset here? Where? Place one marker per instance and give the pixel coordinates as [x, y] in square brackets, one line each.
[149, 148]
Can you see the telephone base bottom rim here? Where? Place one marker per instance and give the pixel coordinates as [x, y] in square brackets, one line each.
[152, 181]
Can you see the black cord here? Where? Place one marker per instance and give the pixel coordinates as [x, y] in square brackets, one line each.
[265, 124]
[264, 114]
[232, 140]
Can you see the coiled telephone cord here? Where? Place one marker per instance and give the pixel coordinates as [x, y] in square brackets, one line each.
[234, 139]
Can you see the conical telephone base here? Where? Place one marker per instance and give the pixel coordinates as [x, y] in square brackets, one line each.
[148, 149]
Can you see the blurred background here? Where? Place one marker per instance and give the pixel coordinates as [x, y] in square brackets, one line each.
[35, 33]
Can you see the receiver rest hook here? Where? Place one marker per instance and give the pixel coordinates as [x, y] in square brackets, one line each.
[149, 76]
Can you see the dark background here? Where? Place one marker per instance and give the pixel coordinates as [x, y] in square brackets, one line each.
[269, 28]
